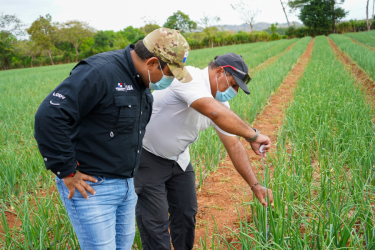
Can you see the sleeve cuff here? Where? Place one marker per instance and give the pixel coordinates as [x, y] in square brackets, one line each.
[222, 131]
[62, 171]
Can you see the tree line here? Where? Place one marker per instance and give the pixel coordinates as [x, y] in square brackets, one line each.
[50, 43]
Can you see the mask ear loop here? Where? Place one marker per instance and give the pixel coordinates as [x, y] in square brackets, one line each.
[149, 79]
[230, 87]
[226, 78]
[217, 85]
[161, 68]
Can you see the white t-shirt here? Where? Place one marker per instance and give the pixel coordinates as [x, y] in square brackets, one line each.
[174, 125]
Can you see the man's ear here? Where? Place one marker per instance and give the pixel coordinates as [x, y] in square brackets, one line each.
[152, 62]
[219, 70]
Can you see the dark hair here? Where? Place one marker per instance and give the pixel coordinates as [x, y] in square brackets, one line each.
[214, 65]
[144, 53]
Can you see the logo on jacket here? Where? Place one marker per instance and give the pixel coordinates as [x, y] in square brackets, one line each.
[124, 87]
[58, 95]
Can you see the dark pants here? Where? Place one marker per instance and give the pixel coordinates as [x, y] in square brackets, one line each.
[163, 187]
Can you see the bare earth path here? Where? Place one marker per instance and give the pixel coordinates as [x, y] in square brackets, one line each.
[364, 45]
[358, 73]
[224, 188]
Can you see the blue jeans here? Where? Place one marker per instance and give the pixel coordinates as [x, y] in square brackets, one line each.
[107, 219]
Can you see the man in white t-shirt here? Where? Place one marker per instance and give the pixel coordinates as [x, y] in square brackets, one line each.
[165, 181]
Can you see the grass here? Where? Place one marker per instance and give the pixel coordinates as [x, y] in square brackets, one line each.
[323, 180]
[362, 55]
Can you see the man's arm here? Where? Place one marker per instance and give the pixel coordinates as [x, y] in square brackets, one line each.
[67, 104]
[229, 122]
[241, 162]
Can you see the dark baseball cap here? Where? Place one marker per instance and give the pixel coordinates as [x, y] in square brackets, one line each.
[235, 65]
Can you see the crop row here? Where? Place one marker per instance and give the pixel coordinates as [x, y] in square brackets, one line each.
[363, 37]
[26, 188]
[362, 55]
[323, 179]
[253, 54]
[208, 150]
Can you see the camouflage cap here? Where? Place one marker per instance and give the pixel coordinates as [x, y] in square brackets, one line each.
[172, 48]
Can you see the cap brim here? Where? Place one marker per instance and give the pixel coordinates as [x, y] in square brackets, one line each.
[241, 83]
[181, 74]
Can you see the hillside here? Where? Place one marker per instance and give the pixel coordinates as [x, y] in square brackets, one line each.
[257, 26]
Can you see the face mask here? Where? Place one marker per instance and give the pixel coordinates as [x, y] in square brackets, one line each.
[227, 94]
[164, 82]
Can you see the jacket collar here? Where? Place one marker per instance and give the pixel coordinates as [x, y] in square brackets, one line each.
[131, 66]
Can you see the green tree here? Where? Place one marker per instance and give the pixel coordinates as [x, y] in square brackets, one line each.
[274, 35]
[28, 48]
[44, 33]
[210, 27]
[317, 16]
[75, 32]
[211, 34]
[150, 27]
[101, 40]
[133, 35]
[180, 21]
[336, 13]
[10, 28]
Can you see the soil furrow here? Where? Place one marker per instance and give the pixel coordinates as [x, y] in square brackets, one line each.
[269, 61]
[223, 189]
[360, 76]
[364, 45]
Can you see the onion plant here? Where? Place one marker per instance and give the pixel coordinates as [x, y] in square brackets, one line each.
[363, 37]
[24, 181]
[323, 180]
[360, 54]
[208, 150]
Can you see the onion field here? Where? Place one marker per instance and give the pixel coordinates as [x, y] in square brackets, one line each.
[321, 169]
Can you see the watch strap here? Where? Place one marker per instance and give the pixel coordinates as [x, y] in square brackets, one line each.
[255, 136]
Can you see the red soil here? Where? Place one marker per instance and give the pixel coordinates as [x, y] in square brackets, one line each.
[14, 223]
[364, 45]
[225, 187]
[360, 76]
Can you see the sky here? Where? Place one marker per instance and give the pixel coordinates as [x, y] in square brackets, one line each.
[116, 15]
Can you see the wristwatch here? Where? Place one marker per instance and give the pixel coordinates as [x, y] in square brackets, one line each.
[255, 136]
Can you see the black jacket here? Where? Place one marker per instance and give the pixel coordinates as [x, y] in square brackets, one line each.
[97, 117]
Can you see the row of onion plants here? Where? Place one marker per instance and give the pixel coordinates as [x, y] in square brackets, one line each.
[323, 169]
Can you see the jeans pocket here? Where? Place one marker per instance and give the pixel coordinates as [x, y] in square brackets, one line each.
[99, 178]
[58, 180]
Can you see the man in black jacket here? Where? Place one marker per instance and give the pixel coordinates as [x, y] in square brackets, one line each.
[90, 128]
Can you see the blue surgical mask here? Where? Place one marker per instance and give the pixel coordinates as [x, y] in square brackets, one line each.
[164, 82]
[227, 94]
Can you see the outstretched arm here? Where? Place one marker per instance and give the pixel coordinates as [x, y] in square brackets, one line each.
[241, 162]
[229, 122]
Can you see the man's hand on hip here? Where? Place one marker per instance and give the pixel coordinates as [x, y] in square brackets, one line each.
[261, 140]
[260, 193]
[78, 182]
